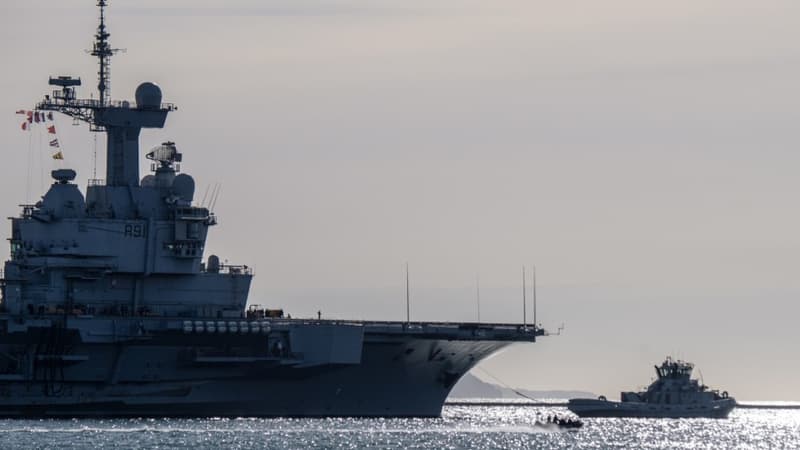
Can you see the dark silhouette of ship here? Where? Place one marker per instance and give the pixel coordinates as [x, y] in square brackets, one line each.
[109, 308]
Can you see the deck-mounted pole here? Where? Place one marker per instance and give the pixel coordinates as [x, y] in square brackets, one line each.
[408, 299]
[478, 294]
[534, 298]
[524, 302]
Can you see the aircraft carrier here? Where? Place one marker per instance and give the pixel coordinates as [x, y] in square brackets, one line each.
[110, 309]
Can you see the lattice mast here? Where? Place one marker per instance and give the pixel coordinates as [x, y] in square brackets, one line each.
[120, 120]
[103, 51]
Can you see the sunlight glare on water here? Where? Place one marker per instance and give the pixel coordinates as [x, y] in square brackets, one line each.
[477, 427]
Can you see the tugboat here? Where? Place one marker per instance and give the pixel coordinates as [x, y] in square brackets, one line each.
[674, 394]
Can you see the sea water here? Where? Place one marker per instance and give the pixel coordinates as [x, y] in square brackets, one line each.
[460, 427]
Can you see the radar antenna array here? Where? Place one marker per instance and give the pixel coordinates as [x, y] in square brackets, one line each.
[103, 51]
[120, 120]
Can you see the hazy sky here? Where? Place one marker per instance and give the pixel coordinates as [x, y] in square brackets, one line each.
[643, 155]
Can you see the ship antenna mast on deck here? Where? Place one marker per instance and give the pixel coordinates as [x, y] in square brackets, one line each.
[122, 121]
[103, 51]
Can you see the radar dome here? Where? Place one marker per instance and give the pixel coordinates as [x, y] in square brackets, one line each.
[148, 181]
[148, 95]
[183, 186]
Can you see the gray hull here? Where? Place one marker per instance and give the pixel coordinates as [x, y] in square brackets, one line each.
[601, 408]
[109, 306]
[399, 372]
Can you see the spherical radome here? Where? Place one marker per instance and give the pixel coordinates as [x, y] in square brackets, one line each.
[148, 95]
[183, 186]
[148, 181]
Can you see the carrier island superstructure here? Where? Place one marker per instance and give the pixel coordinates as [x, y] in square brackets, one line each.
[110, 309]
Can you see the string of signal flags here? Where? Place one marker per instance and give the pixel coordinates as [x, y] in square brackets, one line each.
[41, 117]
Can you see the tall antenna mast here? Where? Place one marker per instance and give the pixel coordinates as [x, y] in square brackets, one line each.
[534, 298]
[524, 302]
[408, 299]
[478, 294]
[103, 51]
[121, 122]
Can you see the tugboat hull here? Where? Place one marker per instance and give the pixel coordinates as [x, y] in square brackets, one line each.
[718, 409]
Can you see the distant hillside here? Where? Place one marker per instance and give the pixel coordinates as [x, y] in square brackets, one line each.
[471, 386]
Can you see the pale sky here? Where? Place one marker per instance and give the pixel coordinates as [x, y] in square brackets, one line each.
[642, 154]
